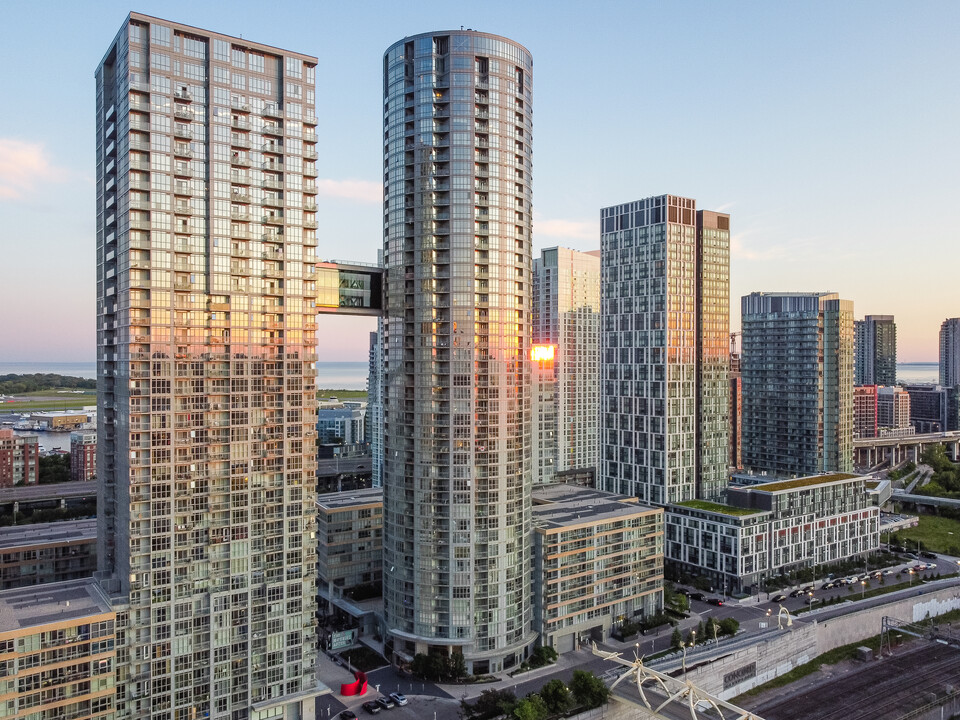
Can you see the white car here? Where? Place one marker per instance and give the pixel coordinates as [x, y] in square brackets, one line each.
[399, 698]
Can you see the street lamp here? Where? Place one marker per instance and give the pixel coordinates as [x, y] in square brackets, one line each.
[810, 600]
[863, 589]
[911, 576]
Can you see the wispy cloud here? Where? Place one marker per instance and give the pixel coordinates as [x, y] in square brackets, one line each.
[571, 229]
[363, 191]
[24, 166]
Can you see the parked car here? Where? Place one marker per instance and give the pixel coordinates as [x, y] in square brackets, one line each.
[890, 572]
[827, 586]
[715, 601]
[398, 698]
[697, 596]
[797, 593]
[385, 702]
[927, 554]
[348, 715]
[371, 707]
[778, 598]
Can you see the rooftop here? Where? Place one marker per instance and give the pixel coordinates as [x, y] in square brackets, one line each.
[558, 506]
[56, 533]
[780, 485]
[350, 498]
[563, 492]
[718, 508]
[22, 608]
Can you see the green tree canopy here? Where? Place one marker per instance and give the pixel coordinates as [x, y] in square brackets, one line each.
[588, 690]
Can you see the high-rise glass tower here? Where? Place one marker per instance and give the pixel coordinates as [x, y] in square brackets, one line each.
[566, 314]
[457, 257]
[666, 285]
[875, 350]
[950, 352]
[797, 375]
[206, 236]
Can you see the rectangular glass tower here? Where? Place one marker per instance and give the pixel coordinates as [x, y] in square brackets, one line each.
[666, 284]
[206, 237]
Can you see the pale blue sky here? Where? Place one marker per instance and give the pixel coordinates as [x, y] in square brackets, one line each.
[828, 130]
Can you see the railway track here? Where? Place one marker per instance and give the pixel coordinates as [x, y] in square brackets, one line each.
[881, 691]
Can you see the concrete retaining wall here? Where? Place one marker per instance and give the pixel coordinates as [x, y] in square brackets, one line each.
[747, 667]
[856, 626]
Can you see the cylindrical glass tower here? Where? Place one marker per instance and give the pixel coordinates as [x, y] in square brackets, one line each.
[457, 221]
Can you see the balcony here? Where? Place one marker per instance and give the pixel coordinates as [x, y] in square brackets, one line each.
[238, 160]
[182, 150]
[272, 219]
[240, 197]
[272, 110]
[183, 113]
[309, 136]
[273, 183]
[310, 120]
[310, 170]
[272, 166]
[272, 129]
[183, 94]
[239, 105]
[241, 216]
[272, 200]
[240, 141]
[310, 154]
[182, 130]
[242, 124]
[182, 188]
[241, 179]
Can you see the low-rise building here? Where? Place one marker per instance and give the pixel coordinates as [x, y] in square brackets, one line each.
[770, 528]
[893, 408]
[934, 408]
[19, 459]
[66, 420]
[598, 560]
[57, 652]
[83, 455]
[47, 553]
[350, 540]
[865, 411]
[341, 422]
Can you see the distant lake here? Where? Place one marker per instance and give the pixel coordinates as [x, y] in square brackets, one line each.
[918, 372]
[86, 370]
[330, 375]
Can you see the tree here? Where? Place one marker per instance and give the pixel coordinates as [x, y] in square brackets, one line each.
[531, 707]
[456, 666]
[676, 639]
[556, 696]
[729, 626]
[588, 690]
[491, 704]
[54, 469]
[544, 655]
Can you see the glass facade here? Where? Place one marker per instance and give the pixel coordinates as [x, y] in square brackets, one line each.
[456, 426]
[665, 350]
[206, 237]
[566, 314]
[875, 348]
[797, 379]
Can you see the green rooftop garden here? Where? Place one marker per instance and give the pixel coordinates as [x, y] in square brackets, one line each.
[717, 507]
[801, 482]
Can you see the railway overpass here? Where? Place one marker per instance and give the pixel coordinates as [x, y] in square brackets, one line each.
[868, 453]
